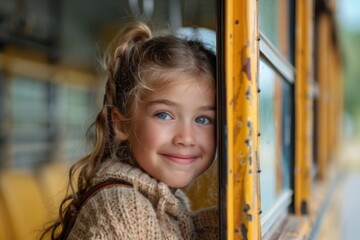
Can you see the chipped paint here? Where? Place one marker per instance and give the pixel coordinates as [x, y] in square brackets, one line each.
[246, 208]
[248, 94]
[249, 124]
[241, 53]
[247, 69]
[244, 231]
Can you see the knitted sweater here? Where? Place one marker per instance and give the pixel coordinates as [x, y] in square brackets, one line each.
[147, 210]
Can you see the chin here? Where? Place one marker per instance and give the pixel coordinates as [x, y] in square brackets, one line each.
[178, 185]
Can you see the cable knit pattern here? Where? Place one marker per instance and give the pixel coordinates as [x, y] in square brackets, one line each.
[147, 210]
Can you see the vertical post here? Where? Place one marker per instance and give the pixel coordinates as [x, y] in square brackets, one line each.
[303, 105]
[323, 96]
[242, 109]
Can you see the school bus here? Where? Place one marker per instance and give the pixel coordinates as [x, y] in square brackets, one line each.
[279, 107]
[281, 128]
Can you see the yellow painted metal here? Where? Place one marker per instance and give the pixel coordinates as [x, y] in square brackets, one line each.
[336, 96]
[329, 104]
[335, 100]
[339, 102]
[323, 61]
[332, 101]
[241, 60]
[36, 66]
[303, 105]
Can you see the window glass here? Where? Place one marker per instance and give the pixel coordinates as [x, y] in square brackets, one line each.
[275, 140]
[268, 137]
[287, 133]
[29, 99]
[48, 119]
[78, 105]
[276, 22]
[30, 120]
[268, 20]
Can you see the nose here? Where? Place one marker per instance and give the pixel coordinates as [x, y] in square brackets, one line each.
[184, 135]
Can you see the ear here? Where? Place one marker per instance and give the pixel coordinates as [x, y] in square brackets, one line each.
[119, 126]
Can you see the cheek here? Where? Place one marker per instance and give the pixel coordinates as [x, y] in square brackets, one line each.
[209, 141]
[147, 135]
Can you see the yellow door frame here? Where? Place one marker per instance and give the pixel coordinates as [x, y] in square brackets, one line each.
[242, 115]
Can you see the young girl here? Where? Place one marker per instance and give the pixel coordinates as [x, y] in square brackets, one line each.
[156, 134]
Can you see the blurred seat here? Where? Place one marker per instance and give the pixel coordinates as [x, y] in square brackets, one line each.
[53, 179]
[24, 204]
[6, 230]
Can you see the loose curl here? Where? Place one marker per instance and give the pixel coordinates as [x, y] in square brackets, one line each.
[136, 63]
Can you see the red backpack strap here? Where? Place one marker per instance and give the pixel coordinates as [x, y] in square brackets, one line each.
[75, 206]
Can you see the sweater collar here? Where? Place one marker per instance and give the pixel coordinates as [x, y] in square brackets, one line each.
[157, 192]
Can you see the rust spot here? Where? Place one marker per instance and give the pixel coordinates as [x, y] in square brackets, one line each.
[248, 93]
[257, 158]
[244, 232]
[249, 124]
[304, 207]
[242, 162]
[236, 21]
[246, 208]
[247, 69]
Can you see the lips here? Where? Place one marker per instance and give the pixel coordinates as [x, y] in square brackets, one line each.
[181, 159]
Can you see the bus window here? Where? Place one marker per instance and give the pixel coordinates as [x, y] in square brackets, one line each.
[30, 135]
[77, 114]
[275, 21]
[275, 144]
[276, 82]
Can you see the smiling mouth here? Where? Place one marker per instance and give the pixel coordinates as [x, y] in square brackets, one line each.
[180, 158]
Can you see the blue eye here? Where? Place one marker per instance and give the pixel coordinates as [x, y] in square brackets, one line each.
[163, 115]
[202, 120]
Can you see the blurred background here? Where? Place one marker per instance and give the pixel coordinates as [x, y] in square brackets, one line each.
[52, 86]
[349, 32]
[51, 82]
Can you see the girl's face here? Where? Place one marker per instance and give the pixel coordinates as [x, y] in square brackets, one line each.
[173, 137]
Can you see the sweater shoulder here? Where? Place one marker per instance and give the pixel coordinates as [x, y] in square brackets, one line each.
[120, 198]
[119, 211]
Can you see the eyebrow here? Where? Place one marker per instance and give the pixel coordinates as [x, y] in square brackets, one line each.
[171, 103]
